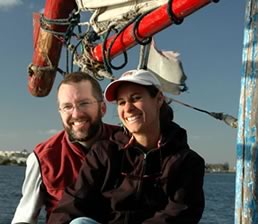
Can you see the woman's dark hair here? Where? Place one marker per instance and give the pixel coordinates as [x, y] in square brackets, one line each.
[166, 112]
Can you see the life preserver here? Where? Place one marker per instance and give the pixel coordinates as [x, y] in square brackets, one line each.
[47, 47]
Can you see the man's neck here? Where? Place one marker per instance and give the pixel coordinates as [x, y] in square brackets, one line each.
[91, 141]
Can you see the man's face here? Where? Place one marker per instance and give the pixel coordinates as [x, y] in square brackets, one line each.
[80, 111]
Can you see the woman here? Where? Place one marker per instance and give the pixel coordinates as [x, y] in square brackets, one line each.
[148, 175]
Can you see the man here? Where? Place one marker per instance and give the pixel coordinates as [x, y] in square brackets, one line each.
[55, 163]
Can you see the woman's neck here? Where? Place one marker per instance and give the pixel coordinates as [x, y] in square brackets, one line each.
[148, 140]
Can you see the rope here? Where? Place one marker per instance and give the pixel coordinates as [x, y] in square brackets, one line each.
[104, 49]
[106, 52]
[171, 14]
[87, 63]
[71, 22]
[228, 119]
[45, 25]
[135, 30]
[33, 68]
[108, 55]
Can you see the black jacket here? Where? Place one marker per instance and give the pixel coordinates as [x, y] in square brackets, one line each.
[119, 183]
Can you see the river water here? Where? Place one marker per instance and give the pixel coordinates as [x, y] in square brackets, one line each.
[219, 196]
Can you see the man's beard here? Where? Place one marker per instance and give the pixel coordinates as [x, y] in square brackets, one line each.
[88, 135]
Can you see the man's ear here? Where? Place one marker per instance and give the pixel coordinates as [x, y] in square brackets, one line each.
[103, 108]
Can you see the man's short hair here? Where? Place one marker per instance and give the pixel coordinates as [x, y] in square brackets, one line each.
[76, 77]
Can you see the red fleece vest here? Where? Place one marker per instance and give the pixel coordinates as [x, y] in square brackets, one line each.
[60, 162]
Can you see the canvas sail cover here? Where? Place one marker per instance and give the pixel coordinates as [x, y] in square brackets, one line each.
[115, 11]
[168, 69]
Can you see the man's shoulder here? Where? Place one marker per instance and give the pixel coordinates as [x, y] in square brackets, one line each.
[109, 130]
[115, 140]
[51, 142]
[111, 127]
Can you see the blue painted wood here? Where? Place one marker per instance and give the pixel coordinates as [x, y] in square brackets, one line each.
[246, 200]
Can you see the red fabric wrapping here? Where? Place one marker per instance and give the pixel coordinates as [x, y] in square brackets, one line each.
[47, 47]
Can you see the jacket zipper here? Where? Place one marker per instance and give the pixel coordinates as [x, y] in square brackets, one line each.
[139, 189]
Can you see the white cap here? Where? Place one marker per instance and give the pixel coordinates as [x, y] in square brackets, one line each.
[141, 77]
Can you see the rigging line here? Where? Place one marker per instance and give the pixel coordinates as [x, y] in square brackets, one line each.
[136, 36]
[104, 49]
[187, 105]
[109, 58]
[228, 119]
[63, 21]
[174, 19]
[79, 37]
[106, 52]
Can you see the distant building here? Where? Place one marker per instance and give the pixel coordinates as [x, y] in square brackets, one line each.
[218, 167]
[13, 157]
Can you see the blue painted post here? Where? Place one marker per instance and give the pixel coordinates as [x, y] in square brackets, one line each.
[246, 200]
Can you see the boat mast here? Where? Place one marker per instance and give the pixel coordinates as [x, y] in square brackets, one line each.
[246, 199]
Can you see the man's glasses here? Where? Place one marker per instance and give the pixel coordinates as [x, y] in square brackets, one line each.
[82, 106]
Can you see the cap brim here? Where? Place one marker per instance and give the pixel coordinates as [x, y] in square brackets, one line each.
[110, 92]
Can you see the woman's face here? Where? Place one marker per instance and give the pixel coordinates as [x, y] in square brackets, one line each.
[138, 111]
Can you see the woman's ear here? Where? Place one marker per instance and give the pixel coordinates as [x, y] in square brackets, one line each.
[160, 98]
[103, 108]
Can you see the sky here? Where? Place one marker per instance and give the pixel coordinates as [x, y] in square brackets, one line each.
[210, 43]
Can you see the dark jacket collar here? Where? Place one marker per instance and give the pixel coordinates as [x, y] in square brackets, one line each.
[173, 136]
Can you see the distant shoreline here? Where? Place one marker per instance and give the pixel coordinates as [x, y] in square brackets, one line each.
[206, 171]
[13, 164]
[215, 172]
[14, 157]
[19, 158]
